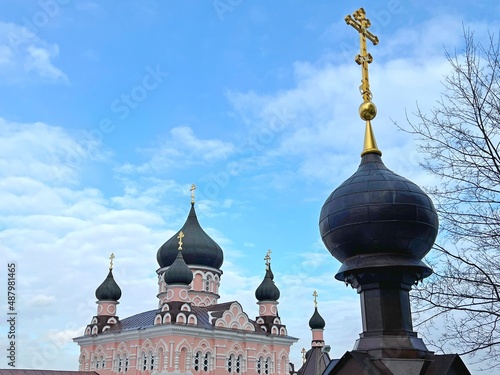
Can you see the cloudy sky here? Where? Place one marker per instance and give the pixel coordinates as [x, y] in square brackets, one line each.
[109, 112]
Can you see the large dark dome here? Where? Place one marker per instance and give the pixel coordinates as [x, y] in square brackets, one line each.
[198, 248]
[109, 289]
[375, 211]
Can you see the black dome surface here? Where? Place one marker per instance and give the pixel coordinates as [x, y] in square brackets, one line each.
[377, 211]
[198, 248]
[178, 272]
[267, 290]
[109, 289]
[316, 321]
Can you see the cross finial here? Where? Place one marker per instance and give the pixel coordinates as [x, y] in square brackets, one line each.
[267, 258]
[193, 188]
[303, 351]
[180, 237]
[367, 110]
[111, 257]
[315, 295]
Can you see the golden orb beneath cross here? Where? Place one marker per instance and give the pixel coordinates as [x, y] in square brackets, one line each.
[367, 111]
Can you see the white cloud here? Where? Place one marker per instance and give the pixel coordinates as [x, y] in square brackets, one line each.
[25, 57]
[181, 149]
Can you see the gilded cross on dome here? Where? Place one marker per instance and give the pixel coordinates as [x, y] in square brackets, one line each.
[315, 295]
[367, 110]
[180, 237]
[111, 257]
[267, 258]
[303, 351]
[193, 188]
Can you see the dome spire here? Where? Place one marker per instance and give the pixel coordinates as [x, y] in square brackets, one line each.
[367, 109]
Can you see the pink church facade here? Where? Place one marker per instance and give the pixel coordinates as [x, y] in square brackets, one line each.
[189, 332]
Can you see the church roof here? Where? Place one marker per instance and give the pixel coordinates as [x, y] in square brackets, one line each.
[316, 362]
[206, 317]
[355, 362]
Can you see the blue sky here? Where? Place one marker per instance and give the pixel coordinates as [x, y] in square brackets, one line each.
[109, 112]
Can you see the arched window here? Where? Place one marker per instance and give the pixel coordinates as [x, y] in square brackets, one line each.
[206, 361]
[230, 363]
[207, 283]
[151, 360]
[196, 362]
[103, 362]
[120, 363]
[125, 366]
[95, 363]
[258, 366]
[237, 366]
[144, 360]
[266, 366]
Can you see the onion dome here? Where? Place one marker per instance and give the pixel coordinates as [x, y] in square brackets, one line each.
[267, 290]
[178, 272]
[109, 289]
[378, 218]
[316, 321]
[199, 248]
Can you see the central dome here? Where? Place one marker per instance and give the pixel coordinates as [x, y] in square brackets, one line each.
[376, 211]
[198, 248]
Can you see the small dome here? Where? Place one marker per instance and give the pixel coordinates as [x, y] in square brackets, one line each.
[375, 212]
[178, 272]
[199, 248]
[267, 290]
[109, 289]
[316, 321]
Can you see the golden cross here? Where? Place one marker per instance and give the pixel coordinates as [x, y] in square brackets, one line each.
[193, 188]
[303, 351]
[361, 24]
[180, 237]
[315, 295]
[111, 257]
[267, 258]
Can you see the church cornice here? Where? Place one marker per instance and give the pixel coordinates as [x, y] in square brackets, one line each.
[178, 330]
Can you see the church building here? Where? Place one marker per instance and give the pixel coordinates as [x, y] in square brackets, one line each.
[189, 331]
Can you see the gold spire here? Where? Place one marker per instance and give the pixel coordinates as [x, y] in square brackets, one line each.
[111, 257]
[267, 258]
[315, 295]
[180, 237]
[367, 110]
[193, 188]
